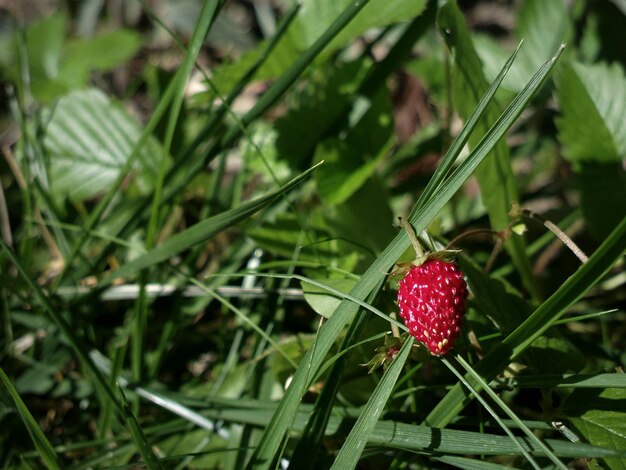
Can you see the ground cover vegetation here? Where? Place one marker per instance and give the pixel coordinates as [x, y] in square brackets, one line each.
[200, 246]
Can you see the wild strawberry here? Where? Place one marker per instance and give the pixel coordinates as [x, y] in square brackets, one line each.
[431, 297]
[432, 302]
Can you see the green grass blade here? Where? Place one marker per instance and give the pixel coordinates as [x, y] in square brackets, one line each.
[144, 447]
[495, 176]
[178, 177]
[398, 435]
[74, 341]
[469, 464]
[374, 277]
[535, 325]
[455, 149]
[352, 448]
[495, 416]
[201, 231]
[207, 17]
[289, 77]
[504, 407]
[96, 215]
[43, 446]
[616, 380]
[310, 443]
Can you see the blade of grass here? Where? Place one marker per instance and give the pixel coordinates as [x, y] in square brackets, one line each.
[470, 464]
[201, 231]
[104, 365]
[444, 168]
[205, 21]
[96, 215]
[350, 453]
[497, 418]
[211, 127]
[310, 443]
[74, 341]
[396, 435]
[495, 176]
[179, 177]
[44, 448]
[144, 447]
[617, 380]
[535, 325]
[374, 277]
[203, 25]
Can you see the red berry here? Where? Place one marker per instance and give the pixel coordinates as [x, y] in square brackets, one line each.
[432, 303]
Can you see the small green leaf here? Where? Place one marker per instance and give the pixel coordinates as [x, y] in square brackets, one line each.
[322, 301]
[103, 52]
[88, 140]
[593, 108]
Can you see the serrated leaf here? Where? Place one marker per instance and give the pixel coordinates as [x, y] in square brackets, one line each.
[592, 99]
[601, 418]
[88, 140]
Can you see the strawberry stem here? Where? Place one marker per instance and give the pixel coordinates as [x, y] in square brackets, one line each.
[419, 252]
[567, 241]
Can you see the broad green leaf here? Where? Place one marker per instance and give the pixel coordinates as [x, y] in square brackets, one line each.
[57, 66]
[600, 417]
[592, 99]
[495, 175]
[365, 218]
[88, 140]
[201, 231]
[614, 380]
[43, 446]
[601, 187]
[285, 234]
[354, 444]
[552, 353]
[315, 16]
